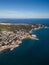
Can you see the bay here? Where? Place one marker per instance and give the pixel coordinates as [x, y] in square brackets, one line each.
[31, 52]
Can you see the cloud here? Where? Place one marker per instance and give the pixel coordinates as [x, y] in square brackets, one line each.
[23, 14]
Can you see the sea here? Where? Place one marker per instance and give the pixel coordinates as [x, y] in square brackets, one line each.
[30, 52]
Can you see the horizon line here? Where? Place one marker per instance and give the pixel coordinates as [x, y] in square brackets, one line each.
[24, 18]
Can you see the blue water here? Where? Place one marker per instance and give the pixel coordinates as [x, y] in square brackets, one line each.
[31, 52]
[28, 21]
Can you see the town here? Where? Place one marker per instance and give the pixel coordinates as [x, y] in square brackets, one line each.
[13, 38]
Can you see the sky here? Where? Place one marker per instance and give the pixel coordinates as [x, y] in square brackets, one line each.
[24, 8]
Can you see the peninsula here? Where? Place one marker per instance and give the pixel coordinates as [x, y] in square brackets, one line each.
[11, 35]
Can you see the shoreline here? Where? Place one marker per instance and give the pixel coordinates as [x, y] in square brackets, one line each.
[12, 47]
[14, 24]
[12, 40]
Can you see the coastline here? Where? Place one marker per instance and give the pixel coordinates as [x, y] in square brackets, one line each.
[9, 37]
[12, 47]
